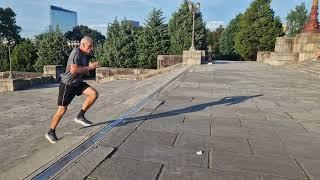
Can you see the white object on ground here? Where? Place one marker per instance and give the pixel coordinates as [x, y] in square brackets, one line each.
[199, 152]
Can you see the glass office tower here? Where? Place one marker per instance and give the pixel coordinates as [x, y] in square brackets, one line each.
[62, 18]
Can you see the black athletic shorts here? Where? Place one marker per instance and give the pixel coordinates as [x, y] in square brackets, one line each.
[67, 93]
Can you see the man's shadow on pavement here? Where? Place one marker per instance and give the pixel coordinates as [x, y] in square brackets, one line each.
[232, 100]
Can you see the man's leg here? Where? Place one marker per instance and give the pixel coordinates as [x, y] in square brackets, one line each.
[91, 97]
[51, 135]
[57, 117]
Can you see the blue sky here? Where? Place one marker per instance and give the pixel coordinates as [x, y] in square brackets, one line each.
[33, 15]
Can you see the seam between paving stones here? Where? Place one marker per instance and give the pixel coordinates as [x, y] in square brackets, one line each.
[160, 172]
[303, 127]
[304, 171]
[250, 146]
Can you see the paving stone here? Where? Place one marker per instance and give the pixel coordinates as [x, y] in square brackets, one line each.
[277, 166]
[217, 143]
[118, 168]
[153, 137]
[268, 146]
[192, 173]
[225, 121]
[162, 154]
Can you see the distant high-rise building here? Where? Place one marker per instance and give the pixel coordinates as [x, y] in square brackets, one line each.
[64, 19]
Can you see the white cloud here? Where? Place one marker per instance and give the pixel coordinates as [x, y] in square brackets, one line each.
[213, 25]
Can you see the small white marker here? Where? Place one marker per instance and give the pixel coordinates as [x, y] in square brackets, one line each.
[199, 153]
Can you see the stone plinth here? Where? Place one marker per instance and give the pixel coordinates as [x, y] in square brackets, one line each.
[54, 71]
[284, 44]
[164, 61]
[306, 44]
[193, 57]
[281, 59]
[263, 56]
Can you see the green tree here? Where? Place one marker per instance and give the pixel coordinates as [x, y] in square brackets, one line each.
[296, 19]
[213, 40]
[227, 39]
[8, 28]
[79, 32]
[153, 40]
[52, 50]
[119, 49]
[259, 29]
[4, 59]
[180, 30]
[24, 56]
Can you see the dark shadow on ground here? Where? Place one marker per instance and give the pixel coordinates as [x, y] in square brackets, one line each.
[232, 100]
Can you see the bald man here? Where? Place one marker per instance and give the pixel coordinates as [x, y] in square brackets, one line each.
[72, 84]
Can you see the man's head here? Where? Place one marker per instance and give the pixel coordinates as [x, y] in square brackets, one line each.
[86, 44]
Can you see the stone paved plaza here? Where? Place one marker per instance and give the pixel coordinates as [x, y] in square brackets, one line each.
[247, 120]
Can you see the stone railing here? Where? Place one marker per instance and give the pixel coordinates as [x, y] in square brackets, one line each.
[23, 83]
[26, 80]
[107, 73]
[19, 75]
[164, 61]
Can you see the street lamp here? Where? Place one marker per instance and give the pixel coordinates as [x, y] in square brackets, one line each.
[194, 8]
[9, 43]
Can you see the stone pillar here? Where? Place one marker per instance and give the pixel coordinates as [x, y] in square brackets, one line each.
[54, 71]
[192, 57]
[313, 25]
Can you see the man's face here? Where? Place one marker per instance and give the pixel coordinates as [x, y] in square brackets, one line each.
[87, 47]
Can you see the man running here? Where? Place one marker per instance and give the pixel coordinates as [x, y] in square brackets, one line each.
[72, 84]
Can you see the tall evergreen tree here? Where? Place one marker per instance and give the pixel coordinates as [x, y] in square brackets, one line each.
[259, 29]
[180, 30]
[296, 19]
[213, 40]
[227, 39]
[153, 40]
[24, 56]
[4, 58]
[8, 28]
[79, 32]
[52, 50]
[120, 46]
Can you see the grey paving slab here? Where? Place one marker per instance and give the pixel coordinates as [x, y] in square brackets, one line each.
[123, 169]
[162, 154]
[153, 137]
[192, 173]
[278, 166]
[216, 143]
[268, 147]
[227, 121]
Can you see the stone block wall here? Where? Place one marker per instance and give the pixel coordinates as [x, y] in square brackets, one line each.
[284, 44]
[107, 73]
[193, 57]
[54, 71]
[263, 56]
[164, 61]
[21, 84]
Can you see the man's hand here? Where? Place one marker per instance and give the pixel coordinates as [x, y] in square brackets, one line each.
[93, 65]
